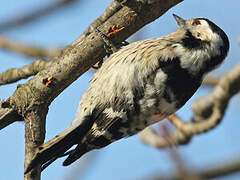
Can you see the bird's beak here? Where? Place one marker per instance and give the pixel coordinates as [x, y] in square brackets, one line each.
[180, 21]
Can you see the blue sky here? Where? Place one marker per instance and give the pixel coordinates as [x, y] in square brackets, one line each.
[127, 158]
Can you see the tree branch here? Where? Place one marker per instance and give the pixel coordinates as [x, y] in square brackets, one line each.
[217, 170]
[34, 137]
[151, 137]
[210, 80]
[169, 141]
[209, 111]
[15, 74]
[77, 58]
[28, 50]
[32, 98]
[33, 15]
[227, 87]
[111, 10]
[8, 116]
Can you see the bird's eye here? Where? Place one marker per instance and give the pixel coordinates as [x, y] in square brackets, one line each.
[196, 22]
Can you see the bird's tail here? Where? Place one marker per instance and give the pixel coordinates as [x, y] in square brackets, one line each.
[75, 154]
[57, 147]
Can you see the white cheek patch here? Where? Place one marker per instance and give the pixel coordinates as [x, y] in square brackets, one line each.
[214, 38]
[216, 43]
[204, 31]
[204, 23]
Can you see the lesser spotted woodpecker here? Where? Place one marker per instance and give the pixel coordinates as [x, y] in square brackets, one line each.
[139, 85]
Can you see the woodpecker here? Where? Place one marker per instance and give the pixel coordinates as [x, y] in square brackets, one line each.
[139, 85]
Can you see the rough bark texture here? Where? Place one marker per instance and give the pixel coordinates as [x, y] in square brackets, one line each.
[34, 136]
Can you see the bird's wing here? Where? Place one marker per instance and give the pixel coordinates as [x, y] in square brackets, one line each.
[125, 72]
[115, 86]
[122, 80]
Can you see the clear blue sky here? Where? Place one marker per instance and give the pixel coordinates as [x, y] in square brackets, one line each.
[127, 158]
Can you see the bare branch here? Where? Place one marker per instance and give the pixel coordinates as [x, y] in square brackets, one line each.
[32, 98]
[34, 137]
[33, 15]
[28, 50]
[216, 102]
[8, 116]
[182, 170]
[111, 10]
[214, 170]
[86, 51]
[151, 137]
[208, 113]
[15, 74]
[220, 96]
[211, 80]
[220, 170]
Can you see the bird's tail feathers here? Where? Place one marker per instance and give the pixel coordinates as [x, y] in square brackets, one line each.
[56, 147]
[80, 150]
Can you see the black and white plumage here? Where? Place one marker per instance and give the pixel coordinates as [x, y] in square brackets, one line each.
[139, 85]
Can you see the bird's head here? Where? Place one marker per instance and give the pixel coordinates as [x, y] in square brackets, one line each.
[204, 30]
[203, 34]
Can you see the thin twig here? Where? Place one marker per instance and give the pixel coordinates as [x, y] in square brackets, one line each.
[213, 170]
[208, 113]
[28, 50]
[15, 74]
[227, 87]
[211, 80]
[151, 137]
[182, 170]
[111, 10]
[33, 15]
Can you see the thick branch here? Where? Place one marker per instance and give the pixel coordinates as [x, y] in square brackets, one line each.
[31, 99]
[8, 116]
[83, 53]
[34, 137]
